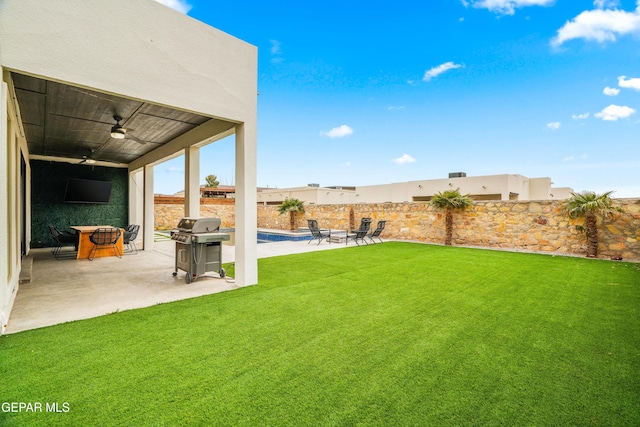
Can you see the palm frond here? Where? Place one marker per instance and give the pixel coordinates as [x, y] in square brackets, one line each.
[291, 205]
[451, 199]
[589, 203]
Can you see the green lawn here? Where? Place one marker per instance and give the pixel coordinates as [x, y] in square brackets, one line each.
[393, 334]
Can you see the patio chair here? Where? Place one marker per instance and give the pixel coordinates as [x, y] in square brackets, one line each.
[317, 233]
[376, 233]
[357, 235]
[104, 237]
[365, 224]
[61, 239]
[129, 236]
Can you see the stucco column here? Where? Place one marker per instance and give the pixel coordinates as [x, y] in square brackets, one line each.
[13, 176]
[148, 225]
[192, 182]
[246, 263]
[4, 210]
[136, 198]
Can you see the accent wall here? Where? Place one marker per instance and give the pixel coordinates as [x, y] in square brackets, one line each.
[48, 186]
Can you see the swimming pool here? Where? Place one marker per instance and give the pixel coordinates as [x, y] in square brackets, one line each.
[274, 236]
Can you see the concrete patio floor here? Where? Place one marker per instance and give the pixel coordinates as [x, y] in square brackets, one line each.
[65, 290]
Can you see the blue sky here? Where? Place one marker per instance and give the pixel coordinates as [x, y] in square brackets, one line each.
[363, 93]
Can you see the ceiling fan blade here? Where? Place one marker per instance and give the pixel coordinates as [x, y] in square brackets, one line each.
[133, 138]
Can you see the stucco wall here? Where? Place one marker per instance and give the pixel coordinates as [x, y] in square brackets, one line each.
[488, 187]
[150, 52]
[536, 226]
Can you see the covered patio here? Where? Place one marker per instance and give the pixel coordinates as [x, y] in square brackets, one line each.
[67, 289]
[108, 91]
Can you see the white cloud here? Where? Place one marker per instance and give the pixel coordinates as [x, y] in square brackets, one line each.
[346, 164]
[276, 48]
[610, 91]
[633, 83]
[174, 169]
[582, 116]
[600, 25]
[395, 107]
[553, 125]
[179, 5]
[505, 7]
[403, 160]
[568, 159]
[606, 4]
[436, 71]
[614, 112]
[338, 132]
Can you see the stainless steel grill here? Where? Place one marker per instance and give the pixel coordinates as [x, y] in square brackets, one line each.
[198, 247]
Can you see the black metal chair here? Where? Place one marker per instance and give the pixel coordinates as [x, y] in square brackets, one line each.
[105, 237]
[317, 233]
[357, 235]
[365, 224]
[129, 236]
[62, 239]
[376, 233]
[360, 233]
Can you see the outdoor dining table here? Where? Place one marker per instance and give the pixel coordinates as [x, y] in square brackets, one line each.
[85, 245]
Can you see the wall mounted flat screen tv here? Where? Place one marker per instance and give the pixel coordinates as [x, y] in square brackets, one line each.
[87, 191]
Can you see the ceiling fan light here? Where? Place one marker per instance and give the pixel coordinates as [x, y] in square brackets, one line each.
[117, 134]
[90, 161]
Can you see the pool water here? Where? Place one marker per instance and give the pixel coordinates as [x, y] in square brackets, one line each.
[268, 237]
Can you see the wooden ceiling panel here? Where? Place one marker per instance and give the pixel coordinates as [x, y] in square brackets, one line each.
[176, 115]
[32, 107]
[156, 130]
[73, 129]
[28, 83]
[86, 104]
[71, 122]
[35, 136]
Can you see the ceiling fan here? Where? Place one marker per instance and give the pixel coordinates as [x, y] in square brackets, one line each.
[88, 159]
[118, 132]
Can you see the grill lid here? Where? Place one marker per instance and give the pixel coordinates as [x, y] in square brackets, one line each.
[199, 225]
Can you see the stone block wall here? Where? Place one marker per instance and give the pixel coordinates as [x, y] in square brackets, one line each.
[517, 225]
[168, 211]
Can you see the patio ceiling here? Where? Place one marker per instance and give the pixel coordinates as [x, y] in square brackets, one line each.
[69, 122]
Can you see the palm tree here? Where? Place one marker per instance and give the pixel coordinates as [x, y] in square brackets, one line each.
[293, 206]
[589, 205]
[450, 201]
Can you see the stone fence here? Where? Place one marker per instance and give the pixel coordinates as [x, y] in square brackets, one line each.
[168, 211]
[516, 225]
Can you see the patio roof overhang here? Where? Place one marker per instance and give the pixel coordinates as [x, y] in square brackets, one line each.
[72, 65]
